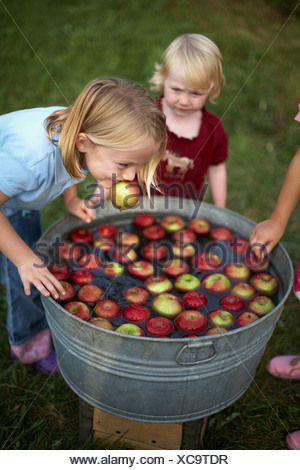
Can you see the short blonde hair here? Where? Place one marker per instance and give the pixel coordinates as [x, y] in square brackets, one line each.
[113, 113]
[201, 63]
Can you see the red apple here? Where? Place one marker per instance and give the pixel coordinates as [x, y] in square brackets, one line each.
[175, 267]
[79, 309]
[245, 319]
[82, 277]
[233, 303]
[68, 251]
[237, 271]
[221, 234]
[137, 295]
[184, 236]
[144, 220]
[128, 239]
[206, 262]
[130, 329]
[124, 255]
[200, 226]
[113, 269]
[217, 283]
[69, 293]
[107, 230]
[264, 283]
[261, 305]
[107, 308]
[101, 322]
[60, 271]
[90, 294]
[136, 313]
[159, 326]
[125, 194]
[215, 330]
[154, 232]
[243, 290]
[239, 245]
[186, 282]
[90, 261]
[167, 305]
[191, 321]
[81, 235]
[183, 251]
[194, 299]
[221, 318]
[255, 264]
[154, 251]
[171, 223]
[141, 269]
[158, 284]
[103, 244]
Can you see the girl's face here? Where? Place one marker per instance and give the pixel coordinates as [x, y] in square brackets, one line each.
[181, 100]
[109, 165]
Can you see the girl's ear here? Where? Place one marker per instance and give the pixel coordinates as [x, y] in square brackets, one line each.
[82, 142]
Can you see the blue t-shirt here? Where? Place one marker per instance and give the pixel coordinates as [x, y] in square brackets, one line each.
[32, 173]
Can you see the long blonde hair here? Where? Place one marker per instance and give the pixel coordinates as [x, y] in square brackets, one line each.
[113, 113]
[200, 60]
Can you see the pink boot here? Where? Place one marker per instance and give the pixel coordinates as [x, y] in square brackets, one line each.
[293, 440]
[285, 367]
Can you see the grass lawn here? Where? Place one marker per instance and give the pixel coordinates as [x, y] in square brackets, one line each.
[49, 51]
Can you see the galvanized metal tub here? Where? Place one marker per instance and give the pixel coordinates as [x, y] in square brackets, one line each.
[158, 380]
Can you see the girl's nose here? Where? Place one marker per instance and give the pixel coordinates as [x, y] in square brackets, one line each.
[129, 174]
[184, 98]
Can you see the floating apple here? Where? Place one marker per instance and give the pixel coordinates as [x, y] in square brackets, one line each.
[141, 269]
[261, 305]
[221, 234]
[239, 245]
[175, 267]
[154, 232]
[154, 251]
[82, 277]
[125, 194]
[191, 321]
[194, 299]
[69, 293]
[233, 303]
[186, 282]
[167, 305]
[171, 223]
[130, 329]
[206, 262]
[90, 261]
[113, 269]
[101, 322]
[79, 309]
[128, 239]
[200, 226]
[107, 230]
[221, 318]
[90, 294]
[125, 255]
[107, 308]
[184, 236]
[136, 313]
[264, 283]
[243, 290]
[183, 251]
[216, 330]
[216, 283]
[60, 271]
[159, 326]
[103, 244]
[137, 295]
[256, 264]
[237, 271]
[245, 319]
[144, 220]
[158, 284]
[81, 235]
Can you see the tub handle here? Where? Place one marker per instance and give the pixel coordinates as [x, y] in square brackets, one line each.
[194, 348]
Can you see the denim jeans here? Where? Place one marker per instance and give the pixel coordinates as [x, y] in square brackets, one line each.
[25, 314]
